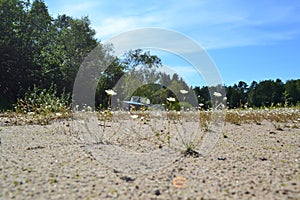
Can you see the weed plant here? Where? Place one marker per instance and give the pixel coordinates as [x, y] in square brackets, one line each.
[44, 104]
[43, 101]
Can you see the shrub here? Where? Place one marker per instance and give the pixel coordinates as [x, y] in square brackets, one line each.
[43, 101]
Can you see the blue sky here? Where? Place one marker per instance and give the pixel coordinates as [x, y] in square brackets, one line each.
[247, 40]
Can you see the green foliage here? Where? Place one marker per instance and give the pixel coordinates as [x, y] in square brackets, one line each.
[238, 95]
[275, 115]
[36, 49]
[292, 89]
[203, 97]
[185, 106]
[43, 101]
[267, 93]
[108, 79]
[138, 57]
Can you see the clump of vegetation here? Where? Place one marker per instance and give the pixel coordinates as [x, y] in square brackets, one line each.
[275, 115]
[189, 151]
[204, 119]
[38, 101]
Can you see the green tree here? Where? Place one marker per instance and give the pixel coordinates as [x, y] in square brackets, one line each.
[74, 41]
[13, 60]
[251, 94]
[36, 49]
[107, 80]
[203, 96]
[292, 88]
[278, 90]
[237, 95]
[140, 69]
[37, 34]
[267, 93]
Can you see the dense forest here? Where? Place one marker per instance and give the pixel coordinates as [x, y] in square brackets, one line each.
[40, 51]
[266, 93]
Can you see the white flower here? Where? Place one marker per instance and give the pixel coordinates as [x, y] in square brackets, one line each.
[171, 99]
[201, 104]
[183, 91]
[134, 116]
[58, 114]
[89, 108]
[30, 113]
[110, 92]
[217, 94]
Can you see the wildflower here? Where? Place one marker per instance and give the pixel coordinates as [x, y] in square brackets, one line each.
[110, 92]
[89, 108]
[183, 91]
[58, 114]
[171, 99]
[201, 104]
[217, 94]
[134, 116]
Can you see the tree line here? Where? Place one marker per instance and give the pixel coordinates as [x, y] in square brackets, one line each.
[38, 50]
[265, 93]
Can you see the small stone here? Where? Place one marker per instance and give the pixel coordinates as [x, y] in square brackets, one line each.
[127, 179]
[263, 159]
[157, 192]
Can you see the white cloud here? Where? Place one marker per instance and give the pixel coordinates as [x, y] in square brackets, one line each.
[214, 24]
[77, 8]
[73, 9]
[116, 25]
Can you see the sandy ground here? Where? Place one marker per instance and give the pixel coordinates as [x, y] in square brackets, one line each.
[134, 160]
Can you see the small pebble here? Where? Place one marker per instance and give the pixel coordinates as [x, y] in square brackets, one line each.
[157, 192]
[263, 159]
[127, 179]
